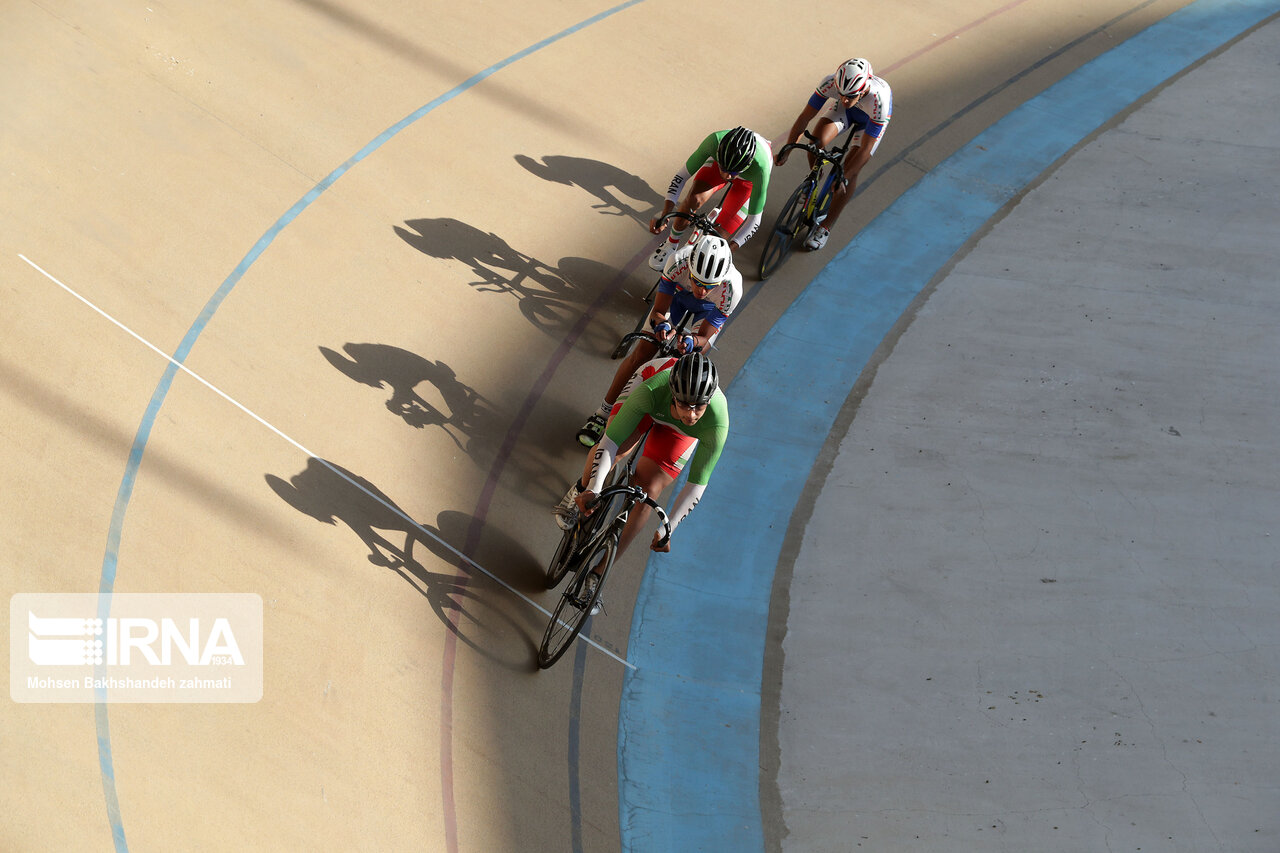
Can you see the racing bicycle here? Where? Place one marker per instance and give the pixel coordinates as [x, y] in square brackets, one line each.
[806, 207]
[591, 544]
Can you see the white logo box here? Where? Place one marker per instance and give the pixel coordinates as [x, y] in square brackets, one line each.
[135, 647]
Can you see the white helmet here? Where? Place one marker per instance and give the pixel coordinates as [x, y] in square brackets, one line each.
[853, 79]
[711, 261]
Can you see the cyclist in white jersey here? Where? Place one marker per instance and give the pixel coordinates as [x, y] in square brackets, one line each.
[852, 99]
[699, 280]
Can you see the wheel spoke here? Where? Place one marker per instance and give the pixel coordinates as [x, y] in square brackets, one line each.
[574, 609]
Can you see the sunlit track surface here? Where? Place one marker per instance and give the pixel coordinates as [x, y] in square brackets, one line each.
[396, 327]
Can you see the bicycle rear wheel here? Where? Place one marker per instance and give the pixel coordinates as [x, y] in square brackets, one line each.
[786, 228]
[574, 608]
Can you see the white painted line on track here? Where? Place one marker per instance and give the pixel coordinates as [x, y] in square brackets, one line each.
[298, 445]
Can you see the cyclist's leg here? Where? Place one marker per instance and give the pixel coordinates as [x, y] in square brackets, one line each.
[733, 210]
[651, 477]
[665, 454]
[843, 193]
[832, 122]
[641, 352]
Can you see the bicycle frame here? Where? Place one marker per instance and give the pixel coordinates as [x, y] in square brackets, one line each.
[597, 534]
[806, 207]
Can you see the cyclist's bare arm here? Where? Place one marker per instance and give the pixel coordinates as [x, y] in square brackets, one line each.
[797, 129]
[704, 335]
[661, 313]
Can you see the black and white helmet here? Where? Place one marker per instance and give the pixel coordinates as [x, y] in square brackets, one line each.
[712, 259]
[694, 380]
[736, 150]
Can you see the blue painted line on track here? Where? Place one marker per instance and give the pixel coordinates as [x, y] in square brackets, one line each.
[106, 583]
[689, 723]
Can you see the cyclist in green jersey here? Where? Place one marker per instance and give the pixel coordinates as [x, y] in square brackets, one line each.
[740, 157]
[685, 407]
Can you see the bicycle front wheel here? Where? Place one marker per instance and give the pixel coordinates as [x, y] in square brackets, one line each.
[574, 608]
[786, 228]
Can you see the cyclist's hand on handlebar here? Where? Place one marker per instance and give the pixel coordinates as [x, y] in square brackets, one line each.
[586, 502]
[658, 545]
[662, 330]
[656, 224]
[781, 157]
[687, 344]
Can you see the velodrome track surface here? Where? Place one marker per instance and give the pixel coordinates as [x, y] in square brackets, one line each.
[404, 237]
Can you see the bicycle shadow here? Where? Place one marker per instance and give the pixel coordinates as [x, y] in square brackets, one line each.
[331, 494]
[475, 425]
[552, 298]
[402, 372]
[598, 178]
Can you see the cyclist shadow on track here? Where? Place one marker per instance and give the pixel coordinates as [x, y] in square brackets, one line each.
[597, 178]
[544, 295]
[402, 372]
[464, 601]
[552, 298]
[473, 424]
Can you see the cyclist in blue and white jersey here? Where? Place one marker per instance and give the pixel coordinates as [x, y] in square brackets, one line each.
[699, 279]
[852, 99]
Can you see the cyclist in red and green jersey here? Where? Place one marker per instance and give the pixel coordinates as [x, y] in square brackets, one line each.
[685, 406]
[739, 157]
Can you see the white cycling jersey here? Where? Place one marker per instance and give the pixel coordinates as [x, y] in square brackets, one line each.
[870, 115]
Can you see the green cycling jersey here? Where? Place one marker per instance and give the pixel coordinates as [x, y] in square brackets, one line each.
[757, 173]
[653, 398]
